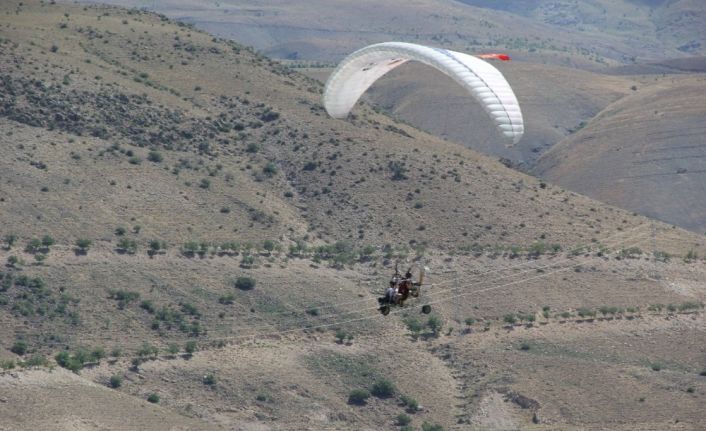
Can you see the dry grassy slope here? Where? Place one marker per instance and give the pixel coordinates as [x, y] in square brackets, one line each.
[46, 395]
[565, 31]
[554, 101]
[348, 194]
[302, 372]
[645, 153]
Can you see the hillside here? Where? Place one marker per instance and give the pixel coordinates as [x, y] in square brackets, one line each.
[644, 152]
[585, 34]
[185, 229]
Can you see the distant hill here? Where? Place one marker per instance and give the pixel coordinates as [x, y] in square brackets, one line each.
[646, 152]
[584, 34]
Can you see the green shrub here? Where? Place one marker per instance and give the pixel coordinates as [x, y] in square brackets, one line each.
[410, 403]
[245, 283]
[341, 335]
[37, 361]
[83, 244]
[586, 312]
[47, 241]
[205, 183]
[358, 396]
[426, 426]
[97, 354]
[155, 156]
[209, 379]
[116, 381]
[470, 321]
[656, 366]
[148, 306]
[7, 364]
[66, 360]
[127, 245]
[190, 347]
[147, 350]
[435, 324]
[403, 419]
[173, 349]
[19, 348]
[226, 299]
[383, 389]
[525, 345]
[153, 398]
[414, 326]
[269, 245]
[10, 240]
[510, 319]
[270, 169]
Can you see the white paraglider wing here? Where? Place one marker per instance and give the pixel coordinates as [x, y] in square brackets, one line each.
[484, 82]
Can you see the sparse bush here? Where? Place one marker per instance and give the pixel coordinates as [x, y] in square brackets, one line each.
[47, 241]
[410, 403]
[190, 347]
[120, 231]
[33, 246]
[227, 299]
[68, 361]
[269, 245]
[263, 397]
[209, 379]
[426, 426]
[435, 324]
[153, 398]
[383, 389]
[148, 306]
[510, 319]
[147, 350]
[155, 156]
[205, 183]
[656, 366]
[270, 169]
[83, 245]
[470, 321]
[403, 419]
[7, 364]
[690, 305]
[116, 381]
[245, 283]
[127, 245]
[414, 326]
[37, 361]
[173, 349]
[586, 312]
[525, 345]
[340, 335]
[97, 354]
[10, 240]
[13, 261]
[358, 397]
[19, 348]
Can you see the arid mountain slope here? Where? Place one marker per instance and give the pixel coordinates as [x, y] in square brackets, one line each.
[645, 153]
[555, 102]
[587, 34]
[181, 224]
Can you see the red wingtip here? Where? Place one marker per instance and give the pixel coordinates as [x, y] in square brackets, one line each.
[502, 57]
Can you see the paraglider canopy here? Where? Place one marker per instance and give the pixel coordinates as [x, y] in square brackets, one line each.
[357, 72]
